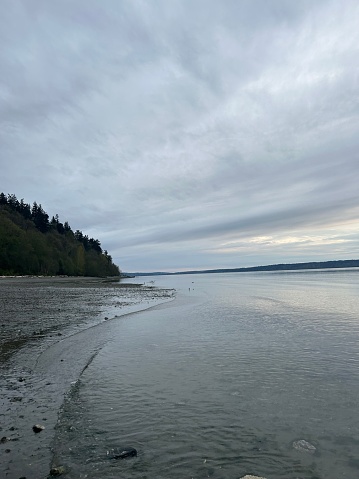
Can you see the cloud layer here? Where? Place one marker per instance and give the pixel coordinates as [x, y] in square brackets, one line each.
[186, 134]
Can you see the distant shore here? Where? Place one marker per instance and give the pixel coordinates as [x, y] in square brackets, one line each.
[335, 264]
[50, 329]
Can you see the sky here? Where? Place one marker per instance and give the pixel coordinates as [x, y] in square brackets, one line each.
[186, 134]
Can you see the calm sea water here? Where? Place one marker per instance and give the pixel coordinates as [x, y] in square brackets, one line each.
[222, 381]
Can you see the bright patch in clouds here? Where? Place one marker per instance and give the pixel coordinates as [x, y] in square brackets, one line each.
[270, 241]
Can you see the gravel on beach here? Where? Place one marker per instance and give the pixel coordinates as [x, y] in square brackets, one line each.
[33, 308]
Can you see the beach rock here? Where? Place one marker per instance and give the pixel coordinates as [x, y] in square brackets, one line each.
[38, 428]
[304, 446]
[4, 439]
[122, 453]
[57, 471]
[252, 477]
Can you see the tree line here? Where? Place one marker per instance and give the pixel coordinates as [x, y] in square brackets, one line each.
[33, 244]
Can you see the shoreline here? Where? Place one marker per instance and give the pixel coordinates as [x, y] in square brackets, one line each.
[43, 307]
[51, 328]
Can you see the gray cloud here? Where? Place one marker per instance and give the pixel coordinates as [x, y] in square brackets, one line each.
[168, 129]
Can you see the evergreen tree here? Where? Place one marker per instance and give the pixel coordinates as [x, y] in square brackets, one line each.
[24, 209]
[40, 218]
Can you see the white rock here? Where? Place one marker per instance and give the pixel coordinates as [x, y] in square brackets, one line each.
[304, 446]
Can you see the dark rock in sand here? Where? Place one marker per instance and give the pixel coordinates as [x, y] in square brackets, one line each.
[38, 428]
[57, 471]
[121, 453]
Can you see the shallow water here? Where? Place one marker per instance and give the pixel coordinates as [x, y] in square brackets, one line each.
[222, 381]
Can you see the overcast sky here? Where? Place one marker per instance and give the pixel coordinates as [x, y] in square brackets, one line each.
[186, 134]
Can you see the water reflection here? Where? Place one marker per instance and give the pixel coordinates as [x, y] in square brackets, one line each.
[224, 384]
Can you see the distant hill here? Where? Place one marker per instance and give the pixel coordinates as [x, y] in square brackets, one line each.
[350, 263]
[31, 244]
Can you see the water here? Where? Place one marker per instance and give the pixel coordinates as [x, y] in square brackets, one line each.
[222, 381]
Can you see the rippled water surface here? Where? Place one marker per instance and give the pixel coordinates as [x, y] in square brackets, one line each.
[222, 381]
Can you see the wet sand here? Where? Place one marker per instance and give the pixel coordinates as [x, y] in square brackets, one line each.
[50, 330]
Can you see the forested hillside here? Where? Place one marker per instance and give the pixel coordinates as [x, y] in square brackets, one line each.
[32, 244]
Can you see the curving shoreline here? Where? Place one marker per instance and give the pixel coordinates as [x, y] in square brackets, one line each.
[50, 329]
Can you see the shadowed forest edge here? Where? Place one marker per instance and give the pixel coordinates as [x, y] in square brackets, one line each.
[31, 244]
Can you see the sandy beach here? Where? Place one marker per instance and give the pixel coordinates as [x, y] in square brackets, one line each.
[50, 329]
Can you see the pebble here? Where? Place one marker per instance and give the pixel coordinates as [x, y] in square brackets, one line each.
[38, 428]
[252, 477]
[122, 453]
[57, 471]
